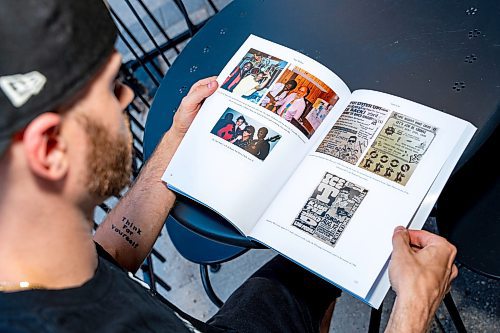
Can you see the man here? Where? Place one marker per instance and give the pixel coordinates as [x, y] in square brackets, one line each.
[293, 106]
[236, 76]
[278, 92]
[65, 146]
[227, 120]
[260, 147]
[245, 138]
[252, 83]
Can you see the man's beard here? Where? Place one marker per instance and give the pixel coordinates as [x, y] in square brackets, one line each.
[109, 160]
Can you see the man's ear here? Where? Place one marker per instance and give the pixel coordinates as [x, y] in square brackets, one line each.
[45, 149]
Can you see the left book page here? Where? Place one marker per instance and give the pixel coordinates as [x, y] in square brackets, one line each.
[272, 105]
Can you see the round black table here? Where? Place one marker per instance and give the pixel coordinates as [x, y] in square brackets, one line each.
[439, 53]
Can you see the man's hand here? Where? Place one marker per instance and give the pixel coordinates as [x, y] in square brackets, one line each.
[421, 270]
[191, 104]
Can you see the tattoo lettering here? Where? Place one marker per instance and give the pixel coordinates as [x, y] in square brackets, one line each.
[127, 231]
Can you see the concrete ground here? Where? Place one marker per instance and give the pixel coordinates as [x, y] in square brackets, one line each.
[477, 297]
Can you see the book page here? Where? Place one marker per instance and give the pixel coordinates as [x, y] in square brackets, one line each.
[370, 174]
[272, 105]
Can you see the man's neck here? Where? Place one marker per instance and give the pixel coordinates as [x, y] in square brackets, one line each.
[50, 248]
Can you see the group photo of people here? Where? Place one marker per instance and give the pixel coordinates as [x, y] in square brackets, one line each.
[246, 133]
[288, 91]
[300, 98]
[253, 75]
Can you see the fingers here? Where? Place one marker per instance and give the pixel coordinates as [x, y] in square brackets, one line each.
[422, 238]
[198, 92]
[443, 248]
[400, 242]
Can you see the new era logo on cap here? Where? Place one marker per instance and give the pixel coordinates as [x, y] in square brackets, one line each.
[20, 88]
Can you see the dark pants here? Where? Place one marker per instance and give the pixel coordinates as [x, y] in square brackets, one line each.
[279, 297]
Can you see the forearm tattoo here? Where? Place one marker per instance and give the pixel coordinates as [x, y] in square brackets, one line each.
[129, 231]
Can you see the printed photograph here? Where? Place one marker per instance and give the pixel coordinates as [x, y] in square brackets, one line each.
[253, 75]
[329, 209]
[246, 133]
[398, 148]
[300, 98]
[349, 137]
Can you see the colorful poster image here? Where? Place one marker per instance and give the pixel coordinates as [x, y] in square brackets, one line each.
[330, 208]
[398, 148]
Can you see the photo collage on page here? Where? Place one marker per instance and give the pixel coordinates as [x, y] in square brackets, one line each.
[275, 85]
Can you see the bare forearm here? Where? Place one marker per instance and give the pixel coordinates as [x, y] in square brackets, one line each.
[132, 227]
[409, 316]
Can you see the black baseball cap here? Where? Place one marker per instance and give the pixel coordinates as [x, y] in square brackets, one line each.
[50, 50]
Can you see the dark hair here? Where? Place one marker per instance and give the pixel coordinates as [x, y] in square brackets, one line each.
[293, 83]
[250, 129]
[242, 118]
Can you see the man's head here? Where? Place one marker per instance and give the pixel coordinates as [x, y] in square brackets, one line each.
[262, 132]
[247, 66]
[61, 115]
[290, 85]
[99, 112]
[239, 121]
[303, 91]
[249, 130]
[228, 116]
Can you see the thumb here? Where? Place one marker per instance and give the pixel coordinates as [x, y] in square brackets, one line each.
[400, 242]
[200, 90]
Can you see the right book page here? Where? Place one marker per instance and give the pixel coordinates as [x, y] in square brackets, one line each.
[369, 174]
[377, 294]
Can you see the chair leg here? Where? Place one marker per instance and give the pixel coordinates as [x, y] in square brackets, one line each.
[454, 314]
[150, 277]
[208, 286]
[375, 317]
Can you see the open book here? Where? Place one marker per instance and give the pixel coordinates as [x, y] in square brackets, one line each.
[296, 161]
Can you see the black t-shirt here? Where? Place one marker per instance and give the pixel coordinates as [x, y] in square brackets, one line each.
[110, 302]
